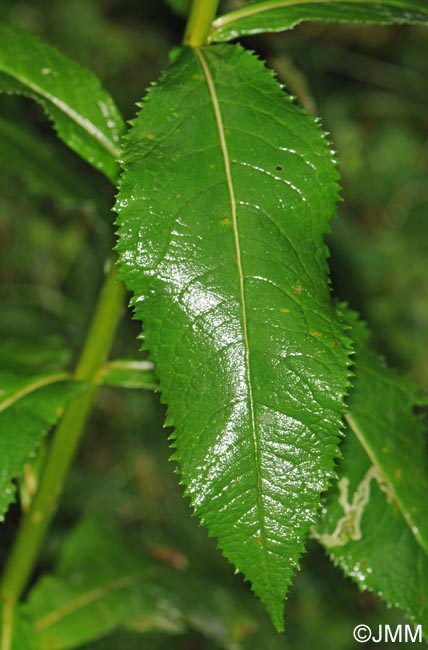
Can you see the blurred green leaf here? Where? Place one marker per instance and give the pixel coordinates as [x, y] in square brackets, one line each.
[392, 296]
[280, 15]
[102, 582]
[84, 115]
[26, 156]
[20, 355]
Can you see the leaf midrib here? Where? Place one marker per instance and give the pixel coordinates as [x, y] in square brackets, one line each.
[233, 203]
[40, 382]
[264, 7]
[88, 598]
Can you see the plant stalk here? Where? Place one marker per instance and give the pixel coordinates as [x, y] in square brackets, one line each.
[36, 522]
[199, 22]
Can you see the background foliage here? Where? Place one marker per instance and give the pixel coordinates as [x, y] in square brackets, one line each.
[369, 84]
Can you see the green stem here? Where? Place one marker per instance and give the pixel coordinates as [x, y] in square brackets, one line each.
[199, 22]
[67, 436]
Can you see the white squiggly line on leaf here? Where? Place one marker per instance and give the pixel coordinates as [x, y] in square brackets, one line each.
[348, 526]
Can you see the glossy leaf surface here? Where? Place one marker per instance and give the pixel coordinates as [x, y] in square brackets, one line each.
[102, 583]
[227, 192]
[83, 113]
[378, 509]
[280, 15]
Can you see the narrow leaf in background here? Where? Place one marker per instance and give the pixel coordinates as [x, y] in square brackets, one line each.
[280, 15]
[377, 511]
[227, 193]
[29, 352]
[84, 114]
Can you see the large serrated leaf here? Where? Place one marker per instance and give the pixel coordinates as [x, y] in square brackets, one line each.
[84, 115]
[227, 193]
[378, 509]
[102, 584]
[280, 15]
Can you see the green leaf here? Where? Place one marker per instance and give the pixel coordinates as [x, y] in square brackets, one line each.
[280, 15]
[29, 406]
[227, 193]
[378, 509]
[128, 373]
[393, 438]
[26, 156]
[84, 115]
[102, 583]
